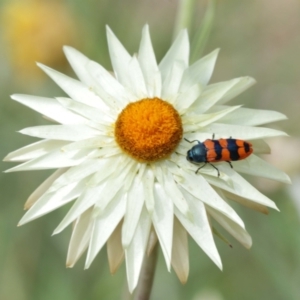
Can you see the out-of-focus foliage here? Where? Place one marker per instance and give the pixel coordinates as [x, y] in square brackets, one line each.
[257, 38]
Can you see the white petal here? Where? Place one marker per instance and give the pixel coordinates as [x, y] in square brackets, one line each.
[50, 108]
[197, 186]
[199, 229]
[86, 111]
[234, 229]
[239, 186]
[135, 203]
[179, 51]
[135, 253]
[80, 238]
[53, 160]
[97, 78]
[126, 68]
[163, 222]
[100, 193]
[187, 98]
[86, 200]
[255, 166]
[218, 115]
[61, 132]
[105, 128]
[119, 57]
[115, 252]
[214, 93]
[51, 201]
[243, 201]
[110, 89]
[137, 82]
[35, 150]
[75, 89]
[241, 132]
[260, 147]
[243, 84]
[117, 182]
[104, 225]
[98, 142]
[199, 72]
[148, 182]
[83, 170]
[206, 119]
[174, 193]
[148, 64]
[107, 151]
[252, 117]
[136, 173]
[247, 203]
[42, 188]
[78, 61]
[111, 165]
[172, 81]
[180, 252]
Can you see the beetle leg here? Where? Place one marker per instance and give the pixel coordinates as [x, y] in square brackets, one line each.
[205, 165]
[200, 167]
[216, 169]
[230, 164]
[213, 136]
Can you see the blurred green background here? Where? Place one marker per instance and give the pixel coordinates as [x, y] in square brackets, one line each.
[257, 38]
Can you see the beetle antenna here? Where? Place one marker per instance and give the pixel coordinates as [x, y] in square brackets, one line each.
[192, 141]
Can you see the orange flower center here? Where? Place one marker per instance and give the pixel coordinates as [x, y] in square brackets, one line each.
[149, 129]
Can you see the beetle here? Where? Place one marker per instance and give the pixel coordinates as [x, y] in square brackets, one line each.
[211, 151]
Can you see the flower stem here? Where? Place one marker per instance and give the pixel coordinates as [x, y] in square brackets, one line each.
[144, 286]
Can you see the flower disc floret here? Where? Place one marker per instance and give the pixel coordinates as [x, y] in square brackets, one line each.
[149, 129]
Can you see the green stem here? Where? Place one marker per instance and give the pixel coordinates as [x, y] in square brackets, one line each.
[201, 36]
[144, 286]
[184, 15]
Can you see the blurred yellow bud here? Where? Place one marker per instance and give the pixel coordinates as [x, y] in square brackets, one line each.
[35, 31]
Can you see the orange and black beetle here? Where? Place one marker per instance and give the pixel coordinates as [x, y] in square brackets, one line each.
[211, 151]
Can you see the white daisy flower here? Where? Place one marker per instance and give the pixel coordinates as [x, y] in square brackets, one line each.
[121, 155]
